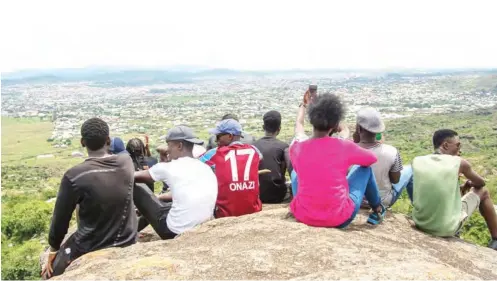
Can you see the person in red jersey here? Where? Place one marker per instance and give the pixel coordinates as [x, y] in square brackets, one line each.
[237, 170]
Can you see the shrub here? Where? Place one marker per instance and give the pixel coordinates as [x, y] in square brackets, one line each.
[21, 262]
[24, 220]
[475, 230]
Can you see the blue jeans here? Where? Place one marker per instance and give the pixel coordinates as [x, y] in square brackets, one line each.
[295, 182]
[361, 182]
[404, 182]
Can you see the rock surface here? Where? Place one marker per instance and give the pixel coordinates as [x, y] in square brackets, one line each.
[269, 245]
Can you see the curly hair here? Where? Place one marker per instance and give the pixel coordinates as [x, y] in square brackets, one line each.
[326, 112]
[95, 133]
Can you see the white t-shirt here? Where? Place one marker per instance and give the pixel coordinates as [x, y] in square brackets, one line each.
[198, 150]
[193, 185]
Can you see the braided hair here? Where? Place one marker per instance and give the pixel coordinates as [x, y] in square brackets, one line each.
[136, 150]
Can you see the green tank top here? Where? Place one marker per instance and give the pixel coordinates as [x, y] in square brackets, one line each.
[437, 199]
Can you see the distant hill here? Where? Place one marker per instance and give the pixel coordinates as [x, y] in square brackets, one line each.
[133, 77]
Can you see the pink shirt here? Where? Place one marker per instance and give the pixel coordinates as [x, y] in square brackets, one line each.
[323, 192]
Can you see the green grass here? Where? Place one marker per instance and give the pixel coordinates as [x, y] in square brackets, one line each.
[23, 139]
[27, 182]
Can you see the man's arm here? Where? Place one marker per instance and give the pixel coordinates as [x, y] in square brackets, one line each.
[476, 180]
[287, 161]
[144, 176]
[166, 197]
[206, 157]
[299, 123]
[395, 170]
[64, 207]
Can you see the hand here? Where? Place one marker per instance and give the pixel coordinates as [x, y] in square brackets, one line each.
[343, 130]
[307, 98]
[466, 187]
[146, 140]
[48, 270]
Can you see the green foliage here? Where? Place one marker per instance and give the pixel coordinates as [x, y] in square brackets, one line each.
[21, 262]
[477, 131]
[22, 221]
[475, 230]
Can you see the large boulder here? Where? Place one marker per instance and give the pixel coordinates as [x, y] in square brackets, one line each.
[270, 245]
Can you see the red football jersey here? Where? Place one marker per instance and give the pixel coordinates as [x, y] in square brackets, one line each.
[237, 172]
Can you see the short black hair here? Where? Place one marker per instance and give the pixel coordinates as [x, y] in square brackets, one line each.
[188, 145]
[441, 135]
[230, 116]
[95, 133]
[326, 112]
[272, 121]
[135, 147]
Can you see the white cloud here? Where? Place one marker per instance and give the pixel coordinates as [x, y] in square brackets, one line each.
[248, 34]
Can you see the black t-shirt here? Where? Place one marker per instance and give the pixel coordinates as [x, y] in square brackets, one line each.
[103, 188]
[272, 185]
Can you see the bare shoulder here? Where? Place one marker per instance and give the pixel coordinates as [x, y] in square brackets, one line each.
[465, 165]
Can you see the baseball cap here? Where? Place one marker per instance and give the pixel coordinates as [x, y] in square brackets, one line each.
[182, 133]
[117, 145]
[370, 120]
[228, 126]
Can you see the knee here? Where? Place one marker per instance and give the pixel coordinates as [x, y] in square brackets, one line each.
[483, 193]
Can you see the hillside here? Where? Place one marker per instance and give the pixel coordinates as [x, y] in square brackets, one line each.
[268, 245]
[28, 183]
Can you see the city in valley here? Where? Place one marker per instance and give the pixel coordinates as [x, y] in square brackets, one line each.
[150, 102]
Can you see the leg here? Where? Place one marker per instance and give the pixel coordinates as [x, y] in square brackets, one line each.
[152, 209]
[404, 182]
[362, 183]
[487, 210]
[295, 183]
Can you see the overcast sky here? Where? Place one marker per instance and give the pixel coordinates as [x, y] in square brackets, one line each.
[248, 34]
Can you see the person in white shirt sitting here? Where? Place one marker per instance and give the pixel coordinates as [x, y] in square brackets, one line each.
[193, 187]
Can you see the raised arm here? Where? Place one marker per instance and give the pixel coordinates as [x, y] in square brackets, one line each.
[299, 123]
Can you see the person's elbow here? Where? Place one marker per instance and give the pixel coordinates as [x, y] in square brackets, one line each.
[394, 177]
[369, 160]
[479, 183]
[143, 177]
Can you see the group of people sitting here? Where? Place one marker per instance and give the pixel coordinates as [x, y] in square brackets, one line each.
[332, 177]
